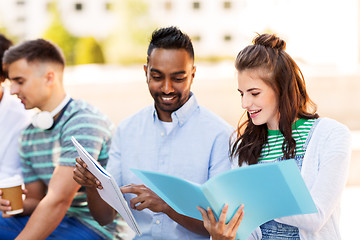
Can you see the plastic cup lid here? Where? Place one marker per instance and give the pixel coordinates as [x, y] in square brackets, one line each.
[11, 181]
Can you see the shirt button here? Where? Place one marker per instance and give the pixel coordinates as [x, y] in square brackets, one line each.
[157, 221]
[162, 134]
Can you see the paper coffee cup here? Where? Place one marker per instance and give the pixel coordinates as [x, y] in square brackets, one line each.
[12, 191]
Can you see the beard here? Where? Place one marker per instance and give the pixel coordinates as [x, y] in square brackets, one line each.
[169, 103]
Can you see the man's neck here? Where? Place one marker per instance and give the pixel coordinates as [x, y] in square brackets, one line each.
[55, 99]
[163, 116]
[60, 106]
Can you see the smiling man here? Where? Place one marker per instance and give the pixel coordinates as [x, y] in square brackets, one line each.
[174, 136]
[169, 76]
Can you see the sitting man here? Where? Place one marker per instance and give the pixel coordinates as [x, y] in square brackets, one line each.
[55, 205]
[174, 136]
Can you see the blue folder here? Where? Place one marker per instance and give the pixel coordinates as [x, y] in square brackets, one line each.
[268, 191]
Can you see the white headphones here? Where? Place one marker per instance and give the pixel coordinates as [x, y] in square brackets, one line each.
[44, 119]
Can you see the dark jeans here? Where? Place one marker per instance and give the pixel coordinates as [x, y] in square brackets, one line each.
[273, 230]
[69, 228]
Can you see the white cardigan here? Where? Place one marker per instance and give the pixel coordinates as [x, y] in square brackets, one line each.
[325, 170]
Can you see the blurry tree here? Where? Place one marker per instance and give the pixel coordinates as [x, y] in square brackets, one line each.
[128, 42]
[58, 34]
[4, 31]
[88, 51]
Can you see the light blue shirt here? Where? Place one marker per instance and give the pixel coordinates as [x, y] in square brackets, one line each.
[196, 149]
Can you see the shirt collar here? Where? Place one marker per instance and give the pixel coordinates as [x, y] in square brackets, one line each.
[181, 115]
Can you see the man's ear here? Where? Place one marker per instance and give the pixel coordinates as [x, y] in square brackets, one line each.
[193, 73]
[145, 70]
[50, 77]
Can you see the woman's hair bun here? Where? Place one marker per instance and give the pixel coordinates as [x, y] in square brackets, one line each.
[270, 41]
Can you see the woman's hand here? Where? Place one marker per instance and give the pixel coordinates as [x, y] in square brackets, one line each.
[220, 230]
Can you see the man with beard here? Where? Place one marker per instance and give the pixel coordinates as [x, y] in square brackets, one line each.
[175, 136]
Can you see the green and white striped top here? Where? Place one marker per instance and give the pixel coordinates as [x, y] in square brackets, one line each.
[273, 148]
[42, 150]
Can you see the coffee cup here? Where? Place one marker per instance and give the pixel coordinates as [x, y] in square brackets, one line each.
[12, 191]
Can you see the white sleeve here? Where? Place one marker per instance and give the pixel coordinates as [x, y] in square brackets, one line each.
[333, 151]
[255, 235]
[10, 165]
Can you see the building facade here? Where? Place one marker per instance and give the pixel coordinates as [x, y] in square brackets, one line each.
[325, 32]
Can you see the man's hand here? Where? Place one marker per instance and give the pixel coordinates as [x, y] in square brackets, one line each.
[5, 205]
[83, 177]
[145, 199]
[100, 210]
[148, 199]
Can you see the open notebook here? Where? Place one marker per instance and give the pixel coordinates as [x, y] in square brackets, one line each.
[268, 191]
[111, 192]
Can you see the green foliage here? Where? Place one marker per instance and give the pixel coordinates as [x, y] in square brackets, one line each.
[58, 34]
[128, 43]
[88, 51]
